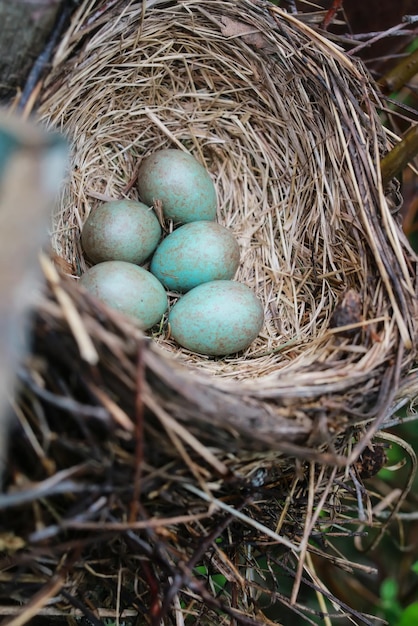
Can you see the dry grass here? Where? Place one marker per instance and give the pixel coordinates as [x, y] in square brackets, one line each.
[287, 126]
[292, 142]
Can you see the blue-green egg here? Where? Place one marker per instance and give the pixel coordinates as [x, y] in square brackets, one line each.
[217, 318]
[196, 253]
[128, 288]
[121, 230]
[180, 183]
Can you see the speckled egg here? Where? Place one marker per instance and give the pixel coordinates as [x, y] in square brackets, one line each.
[129, 289]
[121, 230]
[181, 183]
[217, 318]
[196, 253]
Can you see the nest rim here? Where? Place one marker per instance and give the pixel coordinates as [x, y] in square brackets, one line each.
[289, 368]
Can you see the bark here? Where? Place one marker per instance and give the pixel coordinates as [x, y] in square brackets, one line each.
[25, 26]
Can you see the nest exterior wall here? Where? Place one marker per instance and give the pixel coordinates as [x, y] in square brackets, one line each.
[287, 127]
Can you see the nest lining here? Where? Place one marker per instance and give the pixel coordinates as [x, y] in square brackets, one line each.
[292, 141]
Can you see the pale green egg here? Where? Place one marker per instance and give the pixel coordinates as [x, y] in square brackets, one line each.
[196, 253]
[129, 289]
[217, 318]
[180, 183]
[121, 230]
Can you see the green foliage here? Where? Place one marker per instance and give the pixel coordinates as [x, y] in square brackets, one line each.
[390, 606]
[409, 616]
[216, 581]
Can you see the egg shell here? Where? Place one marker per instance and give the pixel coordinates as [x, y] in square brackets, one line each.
[196, 253]
[129, 289]
[181, 183]
[217, 318]
[121, 230]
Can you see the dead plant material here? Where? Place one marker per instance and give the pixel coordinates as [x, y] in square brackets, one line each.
[179, 467]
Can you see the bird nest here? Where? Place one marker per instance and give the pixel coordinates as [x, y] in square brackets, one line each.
[179, 487]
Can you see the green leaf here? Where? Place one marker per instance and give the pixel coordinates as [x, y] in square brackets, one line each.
[409, 616]
[389, 591]
[389, 604]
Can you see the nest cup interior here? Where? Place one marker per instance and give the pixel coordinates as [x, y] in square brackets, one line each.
[283, 123]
